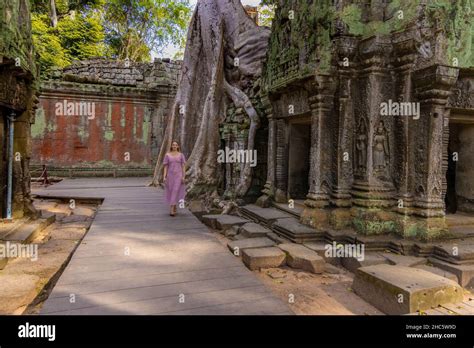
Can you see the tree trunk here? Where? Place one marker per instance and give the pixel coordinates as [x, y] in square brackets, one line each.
[52, 13]
[223, 56]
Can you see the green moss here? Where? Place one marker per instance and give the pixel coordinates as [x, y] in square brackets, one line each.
[109, 135]
[38, 129]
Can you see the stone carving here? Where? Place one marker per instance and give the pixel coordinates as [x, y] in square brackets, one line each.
[381, 151]
[361, 148]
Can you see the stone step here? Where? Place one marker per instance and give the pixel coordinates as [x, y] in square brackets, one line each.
[439, 271]
[256, 258]
[321, 249]
[210, 220]
[295, 231]
[295, 211]
[352, 264]
[264, 216]
[464, 272]
[402, 260]
[401, 290]
[300, 257]
[253, 230]
[225, 222]
[237, 246]
[28, 231]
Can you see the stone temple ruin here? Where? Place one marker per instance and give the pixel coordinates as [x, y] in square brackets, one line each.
[332, 148]
[103, 118]
[366, 134]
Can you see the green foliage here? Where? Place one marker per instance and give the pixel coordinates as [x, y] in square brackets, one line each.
[79, 33]
[265, 15]
[112, 29]
[137, 27]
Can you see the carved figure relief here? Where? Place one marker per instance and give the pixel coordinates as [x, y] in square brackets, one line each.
[361, 147]
[381, 148]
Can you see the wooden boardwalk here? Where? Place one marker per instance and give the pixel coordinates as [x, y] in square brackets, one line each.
[136, 259]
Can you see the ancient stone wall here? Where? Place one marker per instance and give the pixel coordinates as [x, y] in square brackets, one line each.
[332, 66]
[119, 128]
[17, 97]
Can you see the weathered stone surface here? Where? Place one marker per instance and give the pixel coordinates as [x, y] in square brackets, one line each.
[296, 231]
[299, 256]
[320, 248]
[238, 246]
[29, 230]
[276, 238]
[224, 222]
[253, 230]
[210, 220]
[464, 272]
[402, 290]
[331, 269]
[402, 260]
[370, 259]
[257, 258]
[439, 271]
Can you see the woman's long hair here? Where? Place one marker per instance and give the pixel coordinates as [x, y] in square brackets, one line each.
[171, 147]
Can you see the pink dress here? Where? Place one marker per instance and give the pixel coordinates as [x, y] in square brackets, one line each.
[175, 189]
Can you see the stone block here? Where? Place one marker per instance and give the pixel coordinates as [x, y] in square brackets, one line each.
[224, 222]
[370, 259]
[298, 256]
[439, 271]
[257, 258]
[253, 230]
[238, 246]
[320, 248]
[210, 220]
[402, 260]
[464, 272]
[403, 290]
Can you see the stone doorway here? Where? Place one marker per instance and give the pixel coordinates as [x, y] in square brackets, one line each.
[298, 159]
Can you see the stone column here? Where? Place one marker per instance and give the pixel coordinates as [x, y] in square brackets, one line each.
[320, 179]
[432, 87]
[405, 126]
[465, 169]
[269, 188]
[373, 159]
[341, 196]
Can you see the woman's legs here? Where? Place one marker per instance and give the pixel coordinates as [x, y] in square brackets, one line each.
[173, 210]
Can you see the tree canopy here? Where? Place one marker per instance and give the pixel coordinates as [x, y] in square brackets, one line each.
[67, 30]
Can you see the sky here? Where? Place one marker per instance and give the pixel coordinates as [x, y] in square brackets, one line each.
[170, 50]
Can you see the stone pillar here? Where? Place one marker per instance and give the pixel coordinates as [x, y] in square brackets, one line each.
[281, 161]
[269, 188]
[432, 87]
[373, 161]
[405, 126]
[465, 169]
[341, 196]
[320, 179]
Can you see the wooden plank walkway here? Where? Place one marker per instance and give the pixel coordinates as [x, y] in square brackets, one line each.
[136, 259]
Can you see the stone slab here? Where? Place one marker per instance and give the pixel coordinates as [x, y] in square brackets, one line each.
[401, 290]
[352, 264]
[465, 272]
[402, 260]
[300, 257]
[439, 271]
[224, 222]
[257, 258]
[253, 230]
[237, 246]
[210, 220]
[320, 248]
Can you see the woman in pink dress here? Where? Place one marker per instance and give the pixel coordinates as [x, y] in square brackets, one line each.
[173, 177]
